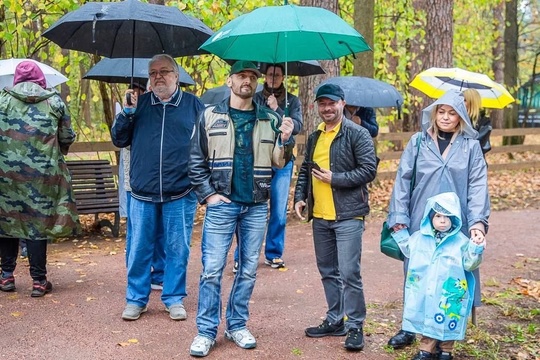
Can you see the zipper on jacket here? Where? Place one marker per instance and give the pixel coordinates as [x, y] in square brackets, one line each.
[161, 154]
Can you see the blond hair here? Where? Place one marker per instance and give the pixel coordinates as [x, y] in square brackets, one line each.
[473, 103]
[433, 120]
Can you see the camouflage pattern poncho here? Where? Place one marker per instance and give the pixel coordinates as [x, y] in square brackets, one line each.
[36, 199]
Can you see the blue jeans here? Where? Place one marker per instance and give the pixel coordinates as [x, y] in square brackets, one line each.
[220, 223]
[279, 199]
[158, 261]
[176, 219]
[338, 248]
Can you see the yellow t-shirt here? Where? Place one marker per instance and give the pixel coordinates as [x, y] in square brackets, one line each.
[323, 206]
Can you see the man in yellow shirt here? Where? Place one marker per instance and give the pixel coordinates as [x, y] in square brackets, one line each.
[338, 164]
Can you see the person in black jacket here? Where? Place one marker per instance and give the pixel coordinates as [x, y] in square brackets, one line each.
[338, 164]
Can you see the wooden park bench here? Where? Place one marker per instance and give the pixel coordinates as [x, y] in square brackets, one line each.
[95, 191]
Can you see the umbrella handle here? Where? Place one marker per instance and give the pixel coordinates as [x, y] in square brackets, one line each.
[276, 130]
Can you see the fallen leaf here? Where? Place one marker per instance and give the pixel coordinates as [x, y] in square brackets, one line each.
[299, 291]
[16, 314]
[133, 341]
[122, 344]
[90, 298]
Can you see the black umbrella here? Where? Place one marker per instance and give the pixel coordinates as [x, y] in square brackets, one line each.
[297, 68]
[119, 71]
[367, 92]
[220, 93]
[129, 29]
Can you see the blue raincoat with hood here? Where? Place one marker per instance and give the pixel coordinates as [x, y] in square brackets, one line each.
[460, 169]
[439, 288]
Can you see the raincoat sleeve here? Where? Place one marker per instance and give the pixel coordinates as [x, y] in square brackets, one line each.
[401, 196]
[472, 256]
[122, 130]
[66, 135]
[403, 239]
[478, 209]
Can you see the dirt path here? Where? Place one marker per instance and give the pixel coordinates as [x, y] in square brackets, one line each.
[80, 319]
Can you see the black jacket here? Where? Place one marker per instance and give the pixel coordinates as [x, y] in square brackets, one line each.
[353, 166]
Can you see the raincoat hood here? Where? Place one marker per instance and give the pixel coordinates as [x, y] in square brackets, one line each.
[456, 100]
[446, 203]
[30, 92]
[29, 71]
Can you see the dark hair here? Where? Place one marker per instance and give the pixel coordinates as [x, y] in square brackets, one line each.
[280, 65]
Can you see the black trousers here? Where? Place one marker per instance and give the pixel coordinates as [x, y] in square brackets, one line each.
[37, 256]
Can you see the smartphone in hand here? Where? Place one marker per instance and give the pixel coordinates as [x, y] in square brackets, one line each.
[128, 99]
[314, 165]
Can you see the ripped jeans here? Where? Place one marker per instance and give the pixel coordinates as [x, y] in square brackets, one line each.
[220, 223]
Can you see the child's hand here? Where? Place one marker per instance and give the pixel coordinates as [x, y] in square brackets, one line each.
[478, 237]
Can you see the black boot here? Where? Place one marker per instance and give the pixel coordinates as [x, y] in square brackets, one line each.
[401, 339]
[443, 355]
[423, 355]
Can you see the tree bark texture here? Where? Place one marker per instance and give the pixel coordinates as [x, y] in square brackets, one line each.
[437, 51]
[511, 68]
[497, 116]
[364, 16]
[308, 83]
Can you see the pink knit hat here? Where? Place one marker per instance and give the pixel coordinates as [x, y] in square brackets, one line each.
[29, 71]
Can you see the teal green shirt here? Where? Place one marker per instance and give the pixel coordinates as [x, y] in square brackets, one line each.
[242, 178]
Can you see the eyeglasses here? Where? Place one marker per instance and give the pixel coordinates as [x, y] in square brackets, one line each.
[162, 73]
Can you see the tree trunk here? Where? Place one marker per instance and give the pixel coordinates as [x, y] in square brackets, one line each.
[437, 52]
[364, 17]
[309, 83]
[497, 116]
[511, 68]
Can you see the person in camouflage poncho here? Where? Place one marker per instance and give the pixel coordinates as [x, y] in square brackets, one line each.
[36, 199]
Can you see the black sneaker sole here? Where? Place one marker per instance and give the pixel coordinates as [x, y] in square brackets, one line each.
[335, 333]
[8, 288]
[352, 347]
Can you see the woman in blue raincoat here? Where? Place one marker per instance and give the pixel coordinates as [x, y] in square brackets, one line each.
[439, 287]
[448, 159]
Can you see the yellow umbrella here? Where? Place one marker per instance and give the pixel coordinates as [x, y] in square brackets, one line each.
[434, 82]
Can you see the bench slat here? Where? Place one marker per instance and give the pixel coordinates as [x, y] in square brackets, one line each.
[95, 190]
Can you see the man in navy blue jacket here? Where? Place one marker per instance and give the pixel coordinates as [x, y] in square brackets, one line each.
[158, 126]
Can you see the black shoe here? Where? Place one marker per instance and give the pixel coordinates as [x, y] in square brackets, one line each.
[327, 329]
[401, 339]
[423, 355]
[443, 355]
[355, 340]
[40, 288]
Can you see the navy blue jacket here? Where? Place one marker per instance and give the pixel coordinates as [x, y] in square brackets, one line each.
[369, 120]
[159, 135]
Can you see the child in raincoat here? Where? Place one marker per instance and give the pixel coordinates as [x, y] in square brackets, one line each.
[439, 289]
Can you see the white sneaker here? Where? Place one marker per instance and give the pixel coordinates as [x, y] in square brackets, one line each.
[243, 338]
[201, 346]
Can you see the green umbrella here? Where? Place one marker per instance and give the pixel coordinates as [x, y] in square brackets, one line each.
[277, 34]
